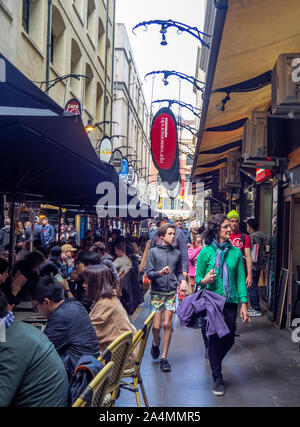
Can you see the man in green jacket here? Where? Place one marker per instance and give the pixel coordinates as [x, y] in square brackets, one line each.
[31, 371]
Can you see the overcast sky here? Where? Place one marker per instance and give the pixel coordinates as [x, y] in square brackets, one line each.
[180, 54]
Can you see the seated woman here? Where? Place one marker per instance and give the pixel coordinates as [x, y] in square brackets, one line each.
[108, 316]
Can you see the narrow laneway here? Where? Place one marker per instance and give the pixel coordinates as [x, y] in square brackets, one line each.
[262, 369]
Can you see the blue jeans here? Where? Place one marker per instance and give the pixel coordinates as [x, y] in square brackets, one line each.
[253, 291]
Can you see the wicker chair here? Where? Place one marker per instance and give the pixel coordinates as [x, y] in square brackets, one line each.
[140, 339]
[118, 352]
[97, 388]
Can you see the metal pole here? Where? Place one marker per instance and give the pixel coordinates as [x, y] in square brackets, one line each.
[113, 68]
[11, 233]
[85, 223]
[106, 58]
[48, 57]
[2, 209]
[59, 219]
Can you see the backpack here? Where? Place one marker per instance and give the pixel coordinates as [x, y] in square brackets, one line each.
[243, 238]
[87, 368]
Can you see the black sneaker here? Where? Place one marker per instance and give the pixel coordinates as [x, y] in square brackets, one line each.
[165, 365]
[218, 388]
[155, 351]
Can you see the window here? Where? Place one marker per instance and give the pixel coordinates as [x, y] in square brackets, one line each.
[89, 93]
[91, 15]
[101, 41]
[166, 203]
[52, 48]
[32, 16]
[189, 160]
[26, 14]
[99, 110]
[75, 67]
[58, 41]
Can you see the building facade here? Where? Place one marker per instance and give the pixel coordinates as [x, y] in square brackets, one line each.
[132, 128]
[48, 40]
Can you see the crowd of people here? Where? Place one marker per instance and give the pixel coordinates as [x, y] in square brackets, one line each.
[78, 287]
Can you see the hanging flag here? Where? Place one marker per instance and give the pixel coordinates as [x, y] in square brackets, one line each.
[181, 195]
[164, 145]
[160, 202]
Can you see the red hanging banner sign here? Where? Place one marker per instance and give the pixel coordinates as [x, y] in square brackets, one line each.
[164, 145]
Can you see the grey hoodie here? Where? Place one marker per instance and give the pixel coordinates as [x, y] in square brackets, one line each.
[179, 243]
[159, 257]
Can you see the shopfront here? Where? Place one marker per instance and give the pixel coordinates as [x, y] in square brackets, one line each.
[291, 239]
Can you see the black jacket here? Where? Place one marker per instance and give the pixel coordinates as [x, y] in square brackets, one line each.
[37, 233]
[70, 329]
[132, 294]
[4, 237]
[158, 258]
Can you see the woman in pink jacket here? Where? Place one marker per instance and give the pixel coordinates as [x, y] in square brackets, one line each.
[194, 251]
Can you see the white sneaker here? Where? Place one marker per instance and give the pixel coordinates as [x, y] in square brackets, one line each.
[254, 313]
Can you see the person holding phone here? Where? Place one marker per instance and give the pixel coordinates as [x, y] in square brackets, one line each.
[220, 269]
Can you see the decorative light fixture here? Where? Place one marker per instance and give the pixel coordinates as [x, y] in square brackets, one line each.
[118, 136]
[181, 104]
[181, 27]
[59, 79]
[221, 106]
[91, 127]
[189, 128]
[168, 73]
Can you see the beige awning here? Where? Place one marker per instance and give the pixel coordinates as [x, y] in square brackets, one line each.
[255, 33]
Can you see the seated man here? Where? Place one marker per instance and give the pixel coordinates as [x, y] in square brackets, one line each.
[122, 262]
[99, 249]
[69, 326]
[55, 257]
[31, 372]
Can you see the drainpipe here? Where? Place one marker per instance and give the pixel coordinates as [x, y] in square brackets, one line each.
[219, 22]
[106, 58]
[113, 68]
[128, 106]
[48, 56]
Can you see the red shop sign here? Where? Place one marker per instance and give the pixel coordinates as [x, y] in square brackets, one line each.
[262, 174]
[164, 144]
[73, 106]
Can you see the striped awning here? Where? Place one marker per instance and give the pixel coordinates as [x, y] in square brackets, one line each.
[255, 33]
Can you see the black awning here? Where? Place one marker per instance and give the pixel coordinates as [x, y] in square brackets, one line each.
[44, 152]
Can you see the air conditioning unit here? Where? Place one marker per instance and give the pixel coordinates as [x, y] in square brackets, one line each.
[246, 140]
[232, 178]
[286, 84]
[222, 176]
[255, 135]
